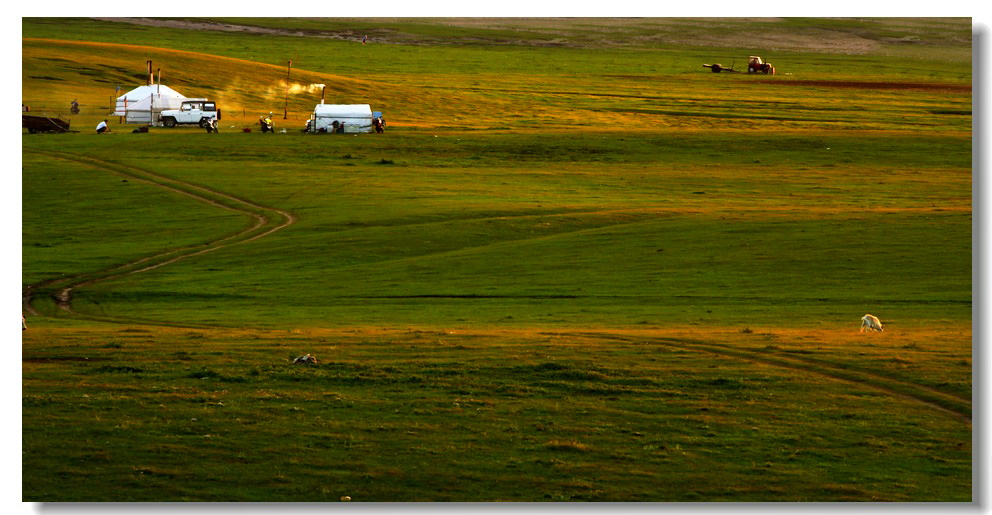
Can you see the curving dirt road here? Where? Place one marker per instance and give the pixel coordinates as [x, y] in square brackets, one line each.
[267, 220]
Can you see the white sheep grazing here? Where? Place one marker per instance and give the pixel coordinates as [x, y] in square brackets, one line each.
[871, 323]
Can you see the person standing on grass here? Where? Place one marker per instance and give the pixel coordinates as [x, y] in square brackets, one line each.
[100, 129]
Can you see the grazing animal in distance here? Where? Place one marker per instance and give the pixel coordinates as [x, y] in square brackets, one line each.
[870, 322]
[305, 360]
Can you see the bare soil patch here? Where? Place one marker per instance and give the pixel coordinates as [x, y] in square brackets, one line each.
[923, 86]
[768, 34]
[57, 359]
[221, 27]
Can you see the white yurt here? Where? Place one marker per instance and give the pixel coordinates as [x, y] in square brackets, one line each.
[144, 103]
[355, 117]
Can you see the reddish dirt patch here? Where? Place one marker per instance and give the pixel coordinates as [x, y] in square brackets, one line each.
[57, 359]
[873, 85]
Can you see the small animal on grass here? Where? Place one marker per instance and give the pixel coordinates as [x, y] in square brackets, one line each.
[305, 360]
[871, 323]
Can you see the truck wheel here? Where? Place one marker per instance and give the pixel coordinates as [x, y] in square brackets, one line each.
[750, 69]
[169, 122]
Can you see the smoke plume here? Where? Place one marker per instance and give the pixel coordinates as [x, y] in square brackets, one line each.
[299, 88]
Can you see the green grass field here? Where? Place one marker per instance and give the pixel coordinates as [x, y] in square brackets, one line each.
[577, 266]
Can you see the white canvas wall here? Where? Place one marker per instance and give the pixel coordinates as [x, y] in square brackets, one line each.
[356, 117]
[144, 103]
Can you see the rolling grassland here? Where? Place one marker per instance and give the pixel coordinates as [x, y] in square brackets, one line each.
[576, 267]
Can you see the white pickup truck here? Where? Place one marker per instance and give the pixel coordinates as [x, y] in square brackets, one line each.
[192, 111]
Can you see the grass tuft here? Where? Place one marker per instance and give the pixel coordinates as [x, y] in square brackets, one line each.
[567, 446]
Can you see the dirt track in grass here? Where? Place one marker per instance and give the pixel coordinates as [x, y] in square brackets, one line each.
[944, 401]
[827, 348]
[267, 220]
[731, 343]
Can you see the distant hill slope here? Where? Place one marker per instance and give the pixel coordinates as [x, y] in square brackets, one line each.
[54, 72]
[492, 87]
[879, 36]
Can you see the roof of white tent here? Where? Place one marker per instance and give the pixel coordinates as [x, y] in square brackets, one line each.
[141, 92]
[343, 110]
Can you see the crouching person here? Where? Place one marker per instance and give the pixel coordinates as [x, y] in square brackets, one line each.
[102, 127]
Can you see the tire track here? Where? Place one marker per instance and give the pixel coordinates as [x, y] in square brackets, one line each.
[944, 401]
[266, 220]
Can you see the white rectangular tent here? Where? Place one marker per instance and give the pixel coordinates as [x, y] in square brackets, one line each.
[355, 117]
[144, 103]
